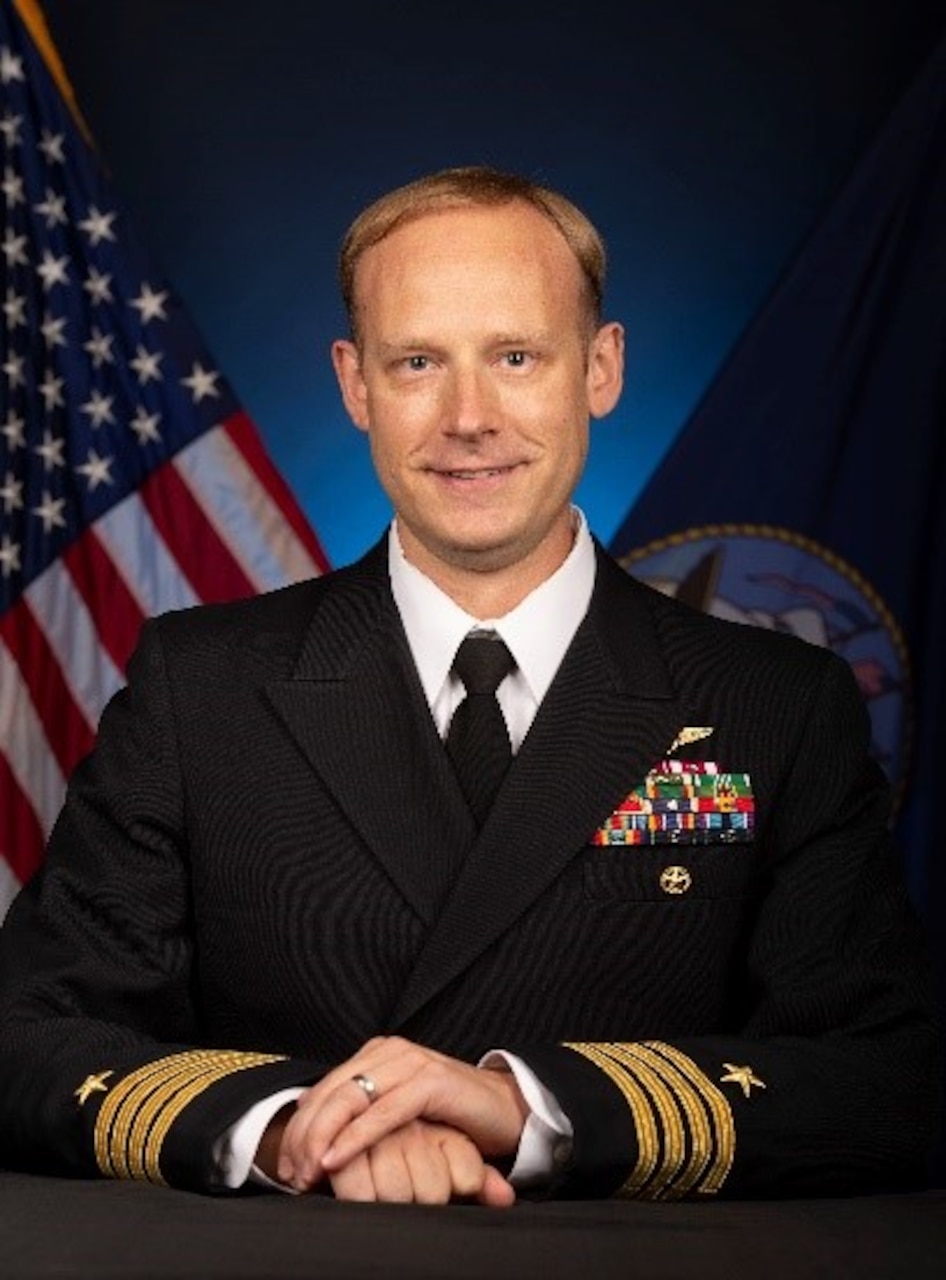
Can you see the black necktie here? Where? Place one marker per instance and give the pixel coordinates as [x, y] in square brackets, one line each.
[477, 741]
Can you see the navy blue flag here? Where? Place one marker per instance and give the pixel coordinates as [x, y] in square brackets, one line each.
[807, 493]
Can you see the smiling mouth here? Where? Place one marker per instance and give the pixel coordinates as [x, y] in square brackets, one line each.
[476, 473]
[483, 473]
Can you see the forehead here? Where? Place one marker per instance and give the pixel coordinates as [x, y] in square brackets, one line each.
[470, 247]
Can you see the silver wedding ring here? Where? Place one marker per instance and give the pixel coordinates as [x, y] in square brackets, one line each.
[367, 1086]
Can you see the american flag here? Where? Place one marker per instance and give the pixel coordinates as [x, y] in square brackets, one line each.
[130, 480]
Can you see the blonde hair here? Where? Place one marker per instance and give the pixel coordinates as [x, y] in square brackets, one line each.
[472, 185]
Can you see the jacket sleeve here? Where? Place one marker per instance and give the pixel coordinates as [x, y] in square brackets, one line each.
[102, 1067]
[829, 1081]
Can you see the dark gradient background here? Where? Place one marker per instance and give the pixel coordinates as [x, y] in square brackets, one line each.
[705, 139]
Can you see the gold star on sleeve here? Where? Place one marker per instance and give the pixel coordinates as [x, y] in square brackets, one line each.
[92, 1084]
[743, 1076]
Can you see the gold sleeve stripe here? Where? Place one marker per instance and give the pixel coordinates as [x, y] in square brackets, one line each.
[127, 1108]
[138, 1111]
[721, 1117]
[671, 1124]
[143, 1144]
[644, 1122]
[181, 1100]
[686, 1135]
[695, 1121]
[134, 1102]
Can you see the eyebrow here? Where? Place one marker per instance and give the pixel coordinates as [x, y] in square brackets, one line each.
[535, 338]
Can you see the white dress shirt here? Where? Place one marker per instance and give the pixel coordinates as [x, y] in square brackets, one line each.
[537, 633]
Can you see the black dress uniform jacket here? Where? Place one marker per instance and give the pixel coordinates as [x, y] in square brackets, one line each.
[267, 860]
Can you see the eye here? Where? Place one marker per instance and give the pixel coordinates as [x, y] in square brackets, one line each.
[516, 359]
[417, 363]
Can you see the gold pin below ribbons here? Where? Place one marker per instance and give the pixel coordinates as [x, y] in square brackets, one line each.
[675, 879]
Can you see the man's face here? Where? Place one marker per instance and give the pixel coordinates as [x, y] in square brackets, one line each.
[475, 378]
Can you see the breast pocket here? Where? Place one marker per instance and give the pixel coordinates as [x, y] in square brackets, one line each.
[669, 873]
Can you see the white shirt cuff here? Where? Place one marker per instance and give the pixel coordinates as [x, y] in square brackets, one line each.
[546, 1142]
[234, 1151]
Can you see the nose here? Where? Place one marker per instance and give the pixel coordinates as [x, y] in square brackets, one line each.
[471, 407]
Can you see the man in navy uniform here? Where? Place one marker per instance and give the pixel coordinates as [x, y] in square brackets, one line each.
[279, 939]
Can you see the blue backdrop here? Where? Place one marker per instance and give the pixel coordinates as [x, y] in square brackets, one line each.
[706, 138]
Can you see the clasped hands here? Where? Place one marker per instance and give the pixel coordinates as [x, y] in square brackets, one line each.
[425, 1133]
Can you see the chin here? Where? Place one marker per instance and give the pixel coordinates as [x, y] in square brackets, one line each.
[475, 556]
[482, 555]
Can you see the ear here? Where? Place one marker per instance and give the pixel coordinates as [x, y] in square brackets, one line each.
[605, 369]
[347, 364]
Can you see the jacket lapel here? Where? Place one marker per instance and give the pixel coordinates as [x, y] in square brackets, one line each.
[356, 707]
[610, 714]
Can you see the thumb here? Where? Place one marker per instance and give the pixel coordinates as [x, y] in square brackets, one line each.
[496, 1192]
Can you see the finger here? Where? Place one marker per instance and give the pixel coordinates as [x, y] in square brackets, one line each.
[313, 1100]
[390, 1172]
[496, 1191]
[429, 1170]
[312, 1128]
[355, 1182]
[465, 1164]
[394, 1109]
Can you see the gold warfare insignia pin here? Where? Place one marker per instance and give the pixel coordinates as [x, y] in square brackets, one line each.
[92, 1084]
[689, 733]
[743, 1076]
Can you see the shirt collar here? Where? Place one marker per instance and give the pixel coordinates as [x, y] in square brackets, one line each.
[538, 631]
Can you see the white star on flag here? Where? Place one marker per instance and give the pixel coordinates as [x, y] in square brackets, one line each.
[51, 391]
[145, 426]
[150, 305]
[10, 128]
[11, 493]
[15, 309]
[13, 430]
[13, 368]
[51, 145]
[12, 188]
[98, 286]
[97, 226]
[145, 364]
[11, 66]
[50, 512]
[51, 451]
[99, 408]
[201, 382]
[99, 348]
[96, 470]
[52, 330]
[9, 557]
[14, 249]
[52, 270]
[53, 209]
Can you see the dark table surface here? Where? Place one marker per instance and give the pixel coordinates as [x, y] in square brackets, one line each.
[55, 1228]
